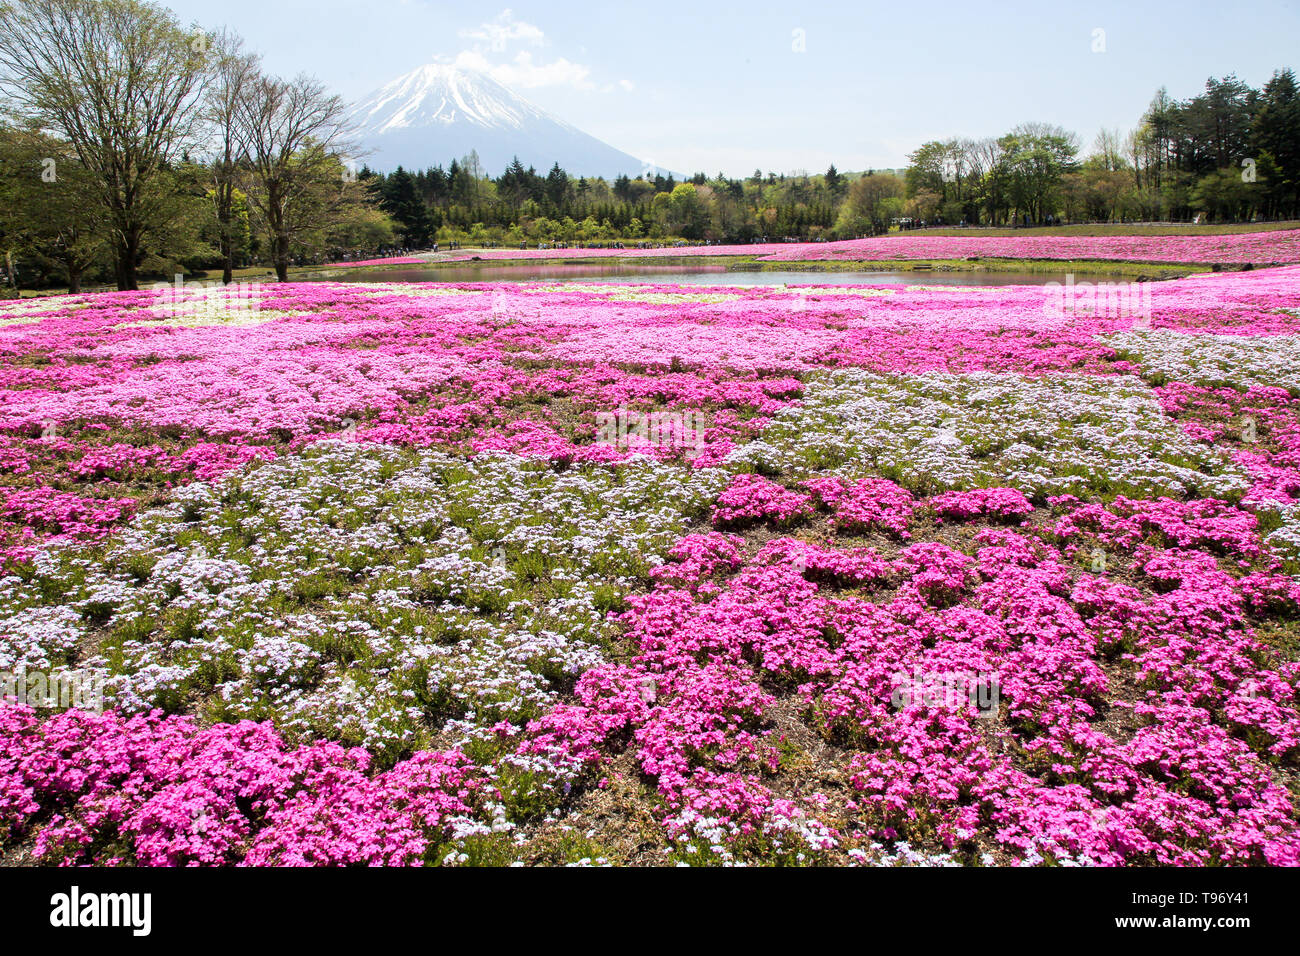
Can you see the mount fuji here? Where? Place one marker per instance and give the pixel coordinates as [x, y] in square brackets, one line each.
[439, 112]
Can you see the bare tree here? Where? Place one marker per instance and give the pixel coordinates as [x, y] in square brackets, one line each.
[1109, 148]
[986, 158]
[121, 81]
[236, 73]
[294, 134]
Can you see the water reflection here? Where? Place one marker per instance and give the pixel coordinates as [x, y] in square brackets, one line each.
[709, 275]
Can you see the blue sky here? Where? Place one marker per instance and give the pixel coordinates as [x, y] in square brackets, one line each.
[785, 86]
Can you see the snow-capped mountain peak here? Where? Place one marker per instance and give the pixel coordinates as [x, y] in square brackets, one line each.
[440, 93]
[439, 112]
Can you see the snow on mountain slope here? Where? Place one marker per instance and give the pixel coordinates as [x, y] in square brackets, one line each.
[438, 113]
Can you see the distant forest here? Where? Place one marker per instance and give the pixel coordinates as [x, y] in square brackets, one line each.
[1231, 153]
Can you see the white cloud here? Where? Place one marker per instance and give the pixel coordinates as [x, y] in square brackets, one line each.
[504, 29]
[523, 73]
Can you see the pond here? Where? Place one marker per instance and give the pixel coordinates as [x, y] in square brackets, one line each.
[709, 275]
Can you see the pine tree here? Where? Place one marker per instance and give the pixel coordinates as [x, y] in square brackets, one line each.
[557, 186]
[1276, 135]
[402, 201]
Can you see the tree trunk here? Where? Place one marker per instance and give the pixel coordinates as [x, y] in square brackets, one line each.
[225, 217]
[124, 266]
[74, 280]
[227, 261]
[282, 258]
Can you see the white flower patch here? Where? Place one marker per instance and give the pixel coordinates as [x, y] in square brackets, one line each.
[12, 320]
[152, 685]
[1286, 539]
[384, 290]
[277, 660]
[814, 292]
[1237, 361]
[1055, 434]
[38, 638]
[214, 316]
[29, 311]
[363, 592]
[200, 305]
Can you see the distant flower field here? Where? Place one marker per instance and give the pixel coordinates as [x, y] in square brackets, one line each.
[649, 574]
[1256, 248]
[1260, 248]
[389, 261]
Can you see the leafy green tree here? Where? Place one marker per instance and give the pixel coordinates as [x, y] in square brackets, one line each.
[1035, 157]
[1095, 191]
[121, 81]
[1223, 195]
[868, 209]
[50, 211]
[234, 238]
[356, 223]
